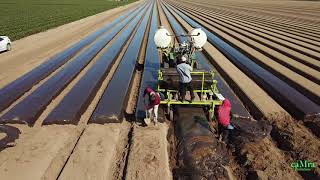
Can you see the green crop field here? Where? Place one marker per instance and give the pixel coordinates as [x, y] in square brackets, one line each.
[20, 18]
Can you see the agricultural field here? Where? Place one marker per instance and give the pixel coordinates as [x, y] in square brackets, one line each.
[72, 105]
[20, 18]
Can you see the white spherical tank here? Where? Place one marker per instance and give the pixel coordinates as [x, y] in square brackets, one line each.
[199, 37]
[162, 38]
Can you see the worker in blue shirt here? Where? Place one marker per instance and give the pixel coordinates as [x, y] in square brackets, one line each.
[184, 71]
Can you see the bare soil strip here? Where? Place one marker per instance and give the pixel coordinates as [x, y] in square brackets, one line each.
[39, 157]
[148, 155]
[97, 152]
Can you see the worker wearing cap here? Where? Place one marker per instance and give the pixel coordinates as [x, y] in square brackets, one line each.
[152, 104]
[184, 71]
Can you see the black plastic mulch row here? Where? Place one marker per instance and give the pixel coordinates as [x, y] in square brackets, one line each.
[225, 90]
[78, 99]
[17, 88]
[12, 133]
[314, 97]
[29, 109]
[151, 65]
[115, 98]
[289, 98]
[195, 135]
[224, 21]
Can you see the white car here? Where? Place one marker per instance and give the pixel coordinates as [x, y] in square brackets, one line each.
[5, 43]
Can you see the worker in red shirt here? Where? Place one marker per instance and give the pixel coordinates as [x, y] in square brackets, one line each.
[152, 101]
[224, 114]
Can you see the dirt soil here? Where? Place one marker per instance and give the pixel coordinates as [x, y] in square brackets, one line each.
[2, 135]
[148, 155]
[97, 152]
[38, 153]
[263, 160]
[296, 141]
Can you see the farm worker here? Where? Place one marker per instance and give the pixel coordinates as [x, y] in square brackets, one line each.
[224, 113]
[184, 71]
[152, 104]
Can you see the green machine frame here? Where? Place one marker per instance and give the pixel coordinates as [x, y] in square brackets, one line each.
[214, 98]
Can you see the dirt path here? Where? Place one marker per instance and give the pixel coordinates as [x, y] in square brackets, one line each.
[39, 154]
[29, 52]
[148, 155]
[97, 152]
